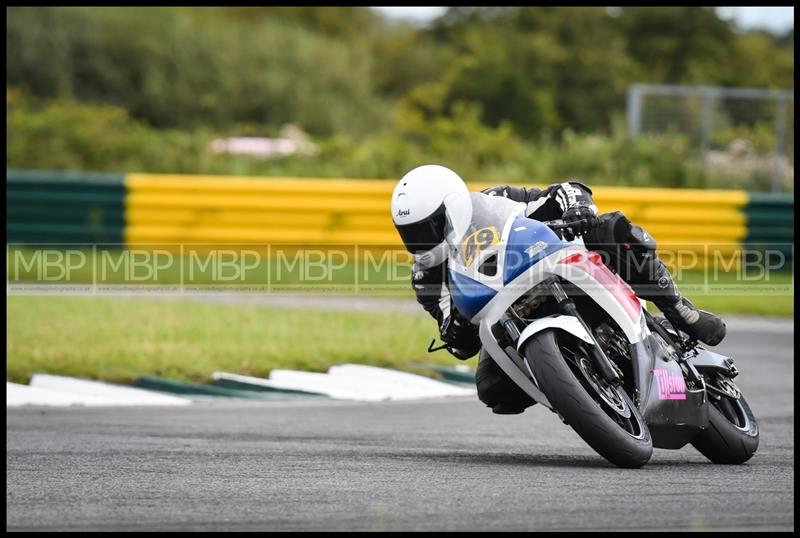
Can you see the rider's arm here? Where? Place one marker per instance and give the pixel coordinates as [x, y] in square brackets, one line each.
[550, 203]
[430, 287]
[431, 291]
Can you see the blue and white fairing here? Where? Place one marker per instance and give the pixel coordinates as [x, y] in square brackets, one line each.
[503, 255]
[499, 245]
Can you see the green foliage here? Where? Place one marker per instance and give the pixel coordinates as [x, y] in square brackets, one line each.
[679, 45]
[181, 68]
[505, 94]
[65, 134]
[332, 70]
[541, 69]
[406, 59]
[69, 135]
[759, 139]
[761, 62]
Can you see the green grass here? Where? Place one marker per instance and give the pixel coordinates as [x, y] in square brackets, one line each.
[117, 339]
[729, 293]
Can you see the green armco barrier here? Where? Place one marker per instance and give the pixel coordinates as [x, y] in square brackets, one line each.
[770, 217]
[770, 224]
[60, 233]
[173, 386]
[83, 208]
[64, 208]
[241, 386]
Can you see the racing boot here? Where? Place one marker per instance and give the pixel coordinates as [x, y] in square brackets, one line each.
[698, 324]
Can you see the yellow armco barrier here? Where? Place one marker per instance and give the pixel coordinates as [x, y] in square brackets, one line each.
[218, 209]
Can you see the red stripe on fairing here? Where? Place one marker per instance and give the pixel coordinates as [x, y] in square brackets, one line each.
[592, 264]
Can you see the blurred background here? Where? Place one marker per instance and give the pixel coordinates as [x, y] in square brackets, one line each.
[133, 134]
[498, 94]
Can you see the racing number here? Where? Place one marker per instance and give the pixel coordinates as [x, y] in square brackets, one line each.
[478, 241]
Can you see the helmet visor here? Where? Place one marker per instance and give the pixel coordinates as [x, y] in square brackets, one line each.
[425, 234]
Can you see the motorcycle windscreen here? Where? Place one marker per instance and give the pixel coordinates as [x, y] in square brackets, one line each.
[482, 229]
[529, 241]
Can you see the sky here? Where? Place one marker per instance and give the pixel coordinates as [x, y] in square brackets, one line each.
[775, 19]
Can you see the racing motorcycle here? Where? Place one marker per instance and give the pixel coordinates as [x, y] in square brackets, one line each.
[576, 339]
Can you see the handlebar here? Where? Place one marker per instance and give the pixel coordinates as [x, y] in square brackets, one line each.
[557, 224]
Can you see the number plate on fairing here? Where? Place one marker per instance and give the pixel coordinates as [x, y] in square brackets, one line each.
[477, 242]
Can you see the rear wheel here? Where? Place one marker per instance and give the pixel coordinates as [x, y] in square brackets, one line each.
[732, 433]
[603, 415]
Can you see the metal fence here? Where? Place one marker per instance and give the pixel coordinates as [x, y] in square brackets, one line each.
[744, 136]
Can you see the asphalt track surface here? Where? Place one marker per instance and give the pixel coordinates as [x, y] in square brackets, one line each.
[403, 466]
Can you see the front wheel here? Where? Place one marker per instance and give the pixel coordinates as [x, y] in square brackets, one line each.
[602, 415]
[732, 433]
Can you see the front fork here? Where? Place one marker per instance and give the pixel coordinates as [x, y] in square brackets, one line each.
[607, 369]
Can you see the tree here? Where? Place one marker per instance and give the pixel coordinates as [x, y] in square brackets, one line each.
[679, 45]
[177, 67]
[538, 68]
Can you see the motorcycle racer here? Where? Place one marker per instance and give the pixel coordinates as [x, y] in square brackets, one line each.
[431, 198]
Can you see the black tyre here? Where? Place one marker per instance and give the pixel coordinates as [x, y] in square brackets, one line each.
[603, 416]
[732, 433]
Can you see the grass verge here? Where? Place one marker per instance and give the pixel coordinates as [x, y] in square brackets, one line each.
[118, 339]
[770, 295]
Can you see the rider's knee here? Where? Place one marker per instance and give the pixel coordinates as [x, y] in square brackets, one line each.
[625, 247]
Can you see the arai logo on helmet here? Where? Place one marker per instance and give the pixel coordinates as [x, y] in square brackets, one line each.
[403, 212]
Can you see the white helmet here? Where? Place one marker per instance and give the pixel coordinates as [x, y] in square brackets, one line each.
[425, 202]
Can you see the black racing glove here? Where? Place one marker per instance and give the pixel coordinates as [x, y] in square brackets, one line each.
[580, 218]
[460, 336]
